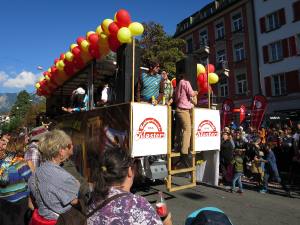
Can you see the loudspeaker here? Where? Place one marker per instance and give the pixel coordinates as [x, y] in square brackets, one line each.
[123, 81]
[188, 66]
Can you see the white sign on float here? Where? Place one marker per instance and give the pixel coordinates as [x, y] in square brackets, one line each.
[207, 132]
[150, 126]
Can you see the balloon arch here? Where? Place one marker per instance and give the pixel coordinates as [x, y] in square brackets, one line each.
[109, 36]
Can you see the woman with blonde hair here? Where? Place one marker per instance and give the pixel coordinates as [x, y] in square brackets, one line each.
[54, 189]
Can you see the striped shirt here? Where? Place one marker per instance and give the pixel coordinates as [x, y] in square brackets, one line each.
[14, 179]
[151, 85]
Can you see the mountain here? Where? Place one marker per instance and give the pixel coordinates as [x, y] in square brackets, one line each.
[6, 101]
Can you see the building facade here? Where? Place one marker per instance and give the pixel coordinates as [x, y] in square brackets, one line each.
[227, 27]
[278, 40]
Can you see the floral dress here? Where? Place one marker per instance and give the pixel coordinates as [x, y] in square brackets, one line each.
[126, 210]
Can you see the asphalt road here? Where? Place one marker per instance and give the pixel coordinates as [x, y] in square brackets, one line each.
[250, 208]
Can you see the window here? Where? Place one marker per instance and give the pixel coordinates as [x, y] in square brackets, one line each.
[189, 44]
[203, 38]
[239, 52]
[273, 21]
[221, 56]
[220, 31]
[241, 84]
[278, 85]
[223, 86]
[276, 51]
[237, 22]
[296, 9]
[298, 43]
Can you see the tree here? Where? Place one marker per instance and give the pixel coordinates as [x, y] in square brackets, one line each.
[158, 46]
[35, 110]
[21, 106]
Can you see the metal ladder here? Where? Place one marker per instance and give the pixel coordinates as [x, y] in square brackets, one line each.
[172, 155]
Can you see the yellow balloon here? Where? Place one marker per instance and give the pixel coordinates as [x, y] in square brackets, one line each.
[73, 46]
[47, 78]
[60, 65]
[200, 69]
[136, 28]
[37, 85]
[105, 25]
[115, 17]
[41, 79]
[49, 70]
[99, 30]
[103, 39]
[69, 56]
[213, 78]
[124, 35]
[85, 45]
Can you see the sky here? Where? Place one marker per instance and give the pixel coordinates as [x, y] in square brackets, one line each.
[35, 32]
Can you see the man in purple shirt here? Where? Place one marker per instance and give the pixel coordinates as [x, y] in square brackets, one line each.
[183, 97]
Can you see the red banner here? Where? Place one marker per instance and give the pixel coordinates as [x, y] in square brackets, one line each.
[226, 112]
[242, 113]
[258, 109]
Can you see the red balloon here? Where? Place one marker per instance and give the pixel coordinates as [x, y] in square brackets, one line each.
[55, 61]
[210, 68]
[54, 70]
[94, 51]
[93, 39]
[62, 56]
[123, 18]
[173, 81]
[79, 40]
[203, 88]
[113, 43]
[69, 67]
[76, 52]
[113, 29]
[78, 63]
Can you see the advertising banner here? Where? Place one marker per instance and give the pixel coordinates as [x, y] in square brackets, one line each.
[226, 113]
[150, 126]
[242, 113]
[258, 109]
[207, 129]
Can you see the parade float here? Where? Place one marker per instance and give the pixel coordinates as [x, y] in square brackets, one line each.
[141, 128]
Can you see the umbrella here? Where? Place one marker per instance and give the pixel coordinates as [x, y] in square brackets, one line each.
[208, 216]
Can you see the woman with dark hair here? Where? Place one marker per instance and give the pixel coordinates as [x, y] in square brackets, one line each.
[112, 201]
[14, 174]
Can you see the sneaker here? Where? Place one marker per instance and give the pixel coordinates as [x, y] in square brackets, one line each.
[263, 191]
[240, 192]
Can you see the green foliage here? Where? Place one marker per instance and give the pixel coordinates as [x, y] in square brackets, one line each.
[21, 106]
[159, 47]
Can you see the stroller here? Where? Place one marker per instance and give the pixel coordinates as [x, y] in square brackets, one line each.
[208, 216]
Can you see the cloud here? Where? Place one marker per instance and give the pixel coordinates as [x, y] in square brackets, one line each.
[3, 76]
[22, 80]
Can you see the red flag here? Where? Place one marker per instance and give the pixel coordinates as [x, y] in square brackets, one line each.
[226, 112]
[258, 109]
[242, 113]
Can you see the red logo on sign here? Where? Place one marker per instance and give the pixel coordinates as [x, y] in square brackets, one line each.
[206, 129]
[150, 128]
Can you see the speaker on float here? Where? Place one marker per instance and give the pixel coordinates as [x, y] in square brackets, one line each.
[188, 66]
[123, 80]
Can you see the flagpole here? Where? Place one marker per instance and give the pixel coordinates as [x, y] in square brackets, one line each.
[208, 91]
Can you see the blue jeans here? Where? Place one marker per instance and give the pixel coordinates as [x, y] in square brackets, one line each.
[237, 177]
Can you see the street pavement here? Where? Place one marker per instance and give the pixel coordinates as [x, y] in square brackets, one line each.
[249, 208]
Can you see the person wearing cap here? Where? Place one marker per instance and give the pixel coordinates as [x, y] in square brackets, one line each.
[79, 100]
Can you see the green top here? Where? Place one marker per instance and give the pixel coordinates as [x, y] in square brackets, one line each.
[237, 163]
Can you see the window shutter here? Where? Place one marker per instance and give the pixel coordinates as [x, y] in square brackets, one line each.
[281, 16]
[296, 7]
[285, 48]
[262, 25]
[266, 54]
[292, 81]
[268, 86]
[292, 44]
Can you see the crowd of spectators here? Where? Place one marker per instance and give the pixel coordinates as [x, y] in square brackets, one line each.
[262, 156]
[39, 184]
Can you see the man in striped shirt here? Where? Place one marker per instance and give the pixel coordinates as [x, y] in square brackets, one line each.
[151, 84]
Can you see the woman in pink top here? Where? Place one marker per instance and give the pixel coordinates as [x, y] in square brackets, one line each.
[183, 95]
